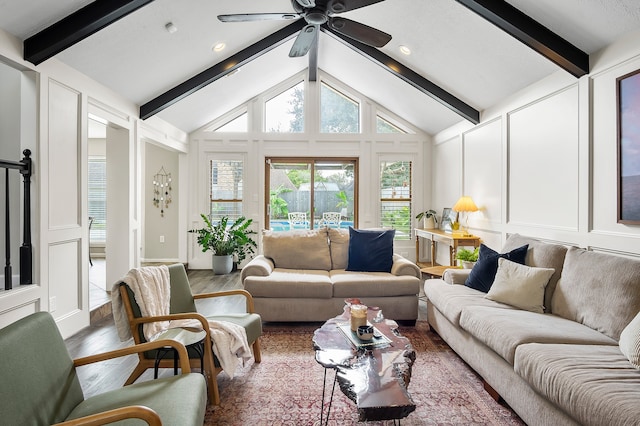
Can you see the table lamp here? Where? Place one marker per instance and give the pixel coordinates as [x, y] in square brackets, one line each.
[466, 205]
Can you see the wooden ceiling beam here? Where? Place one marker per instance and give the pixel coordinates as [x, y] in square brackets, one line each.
[532, 33]
[220, 69]
[409, 76]
[76, 27]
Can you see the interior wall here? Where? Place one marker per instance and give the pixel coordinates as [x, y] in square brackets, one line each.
[161, 239]
[54, 105]
[544, 162]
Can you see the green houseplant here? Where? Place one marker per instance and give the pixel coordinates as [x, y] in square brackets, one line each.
[226, 241]
[429, 217]
[468, 257]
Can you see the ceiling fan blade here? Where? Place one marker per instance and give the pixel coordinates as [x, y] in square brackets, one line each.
[339, 6]
[306, 3]
[249, 17]
[304, 41]
[360, 32]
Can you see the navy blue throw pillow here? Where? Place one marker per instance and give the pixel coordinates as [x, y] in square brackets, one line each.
[370, 251]
[484, 271]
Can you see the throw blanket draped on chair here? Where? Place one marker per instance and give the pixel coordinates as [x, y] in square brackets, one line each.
[151, 288]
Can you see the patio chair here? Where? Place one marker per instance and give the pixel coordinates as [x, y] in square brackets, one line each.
[298, 220]
[182, 306]
[331, 219]
[40, 384]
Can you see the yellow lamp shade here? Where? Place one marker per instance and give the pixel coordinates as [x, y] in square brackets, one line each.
[465, 204]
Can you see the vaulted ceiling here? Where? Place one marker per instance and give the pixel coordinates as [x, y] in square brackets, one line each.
[466, 55]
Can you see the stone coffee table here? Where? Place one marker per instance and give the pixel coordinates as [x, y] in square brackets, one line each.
[374, 374]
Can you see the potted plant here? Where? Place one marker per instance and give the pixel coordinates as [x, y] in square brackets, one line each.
[226, 241]
[429, 218]
[468, 257]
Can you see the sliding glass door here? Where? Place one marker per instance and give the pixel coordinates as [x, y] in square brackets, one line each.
[308, 193]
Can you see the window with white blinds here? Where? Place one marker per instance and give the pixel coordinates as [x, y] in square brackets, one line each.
[98, 198]
[396, 197]
[226, 188]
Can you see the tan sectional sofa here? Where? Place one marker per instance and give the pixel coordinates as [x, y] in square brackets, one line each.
[561, 367]
[302, 276]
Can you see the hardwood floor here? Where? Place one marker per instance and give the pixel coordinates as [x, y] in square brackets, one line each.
[102, 336]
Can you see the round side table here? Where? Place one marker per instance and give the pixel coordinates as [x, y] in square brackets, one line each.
[189, 337]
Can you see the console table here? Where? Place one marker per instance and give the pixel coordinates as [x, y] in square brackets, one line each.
[439, 236]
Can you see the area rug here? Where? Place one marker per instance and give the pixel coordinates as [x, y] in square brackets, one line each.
[286, 387]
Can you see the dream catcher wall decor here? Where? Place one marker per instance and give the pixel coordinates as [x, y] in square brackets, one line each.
[162, 190]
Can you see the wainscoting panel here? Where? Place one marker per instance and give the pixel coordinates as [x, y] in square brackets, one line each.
[482, 177]
[543, 162]
[64, 169]
[65, 285]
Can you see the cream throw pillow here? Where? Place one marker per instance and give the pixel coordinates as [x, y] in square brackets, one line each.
[520, 285]
[630, 341]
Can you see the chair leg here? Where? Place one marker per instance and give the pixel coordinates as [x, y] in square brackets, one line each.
[257, 356]
[211, 374]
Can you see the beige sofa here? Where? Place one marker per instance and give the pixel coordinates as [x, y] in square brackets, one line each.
[301, 276]
[561, 367]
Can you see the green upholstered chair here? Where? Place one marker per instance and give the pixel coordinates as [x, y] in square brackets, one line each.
[39, 384]
[182, 306]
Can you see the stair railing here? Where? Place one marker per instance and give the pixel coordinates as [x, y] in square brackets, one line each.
[24, 166]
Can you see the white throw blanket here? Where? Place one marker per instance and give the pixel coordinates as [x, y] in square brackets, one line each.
[150, 286]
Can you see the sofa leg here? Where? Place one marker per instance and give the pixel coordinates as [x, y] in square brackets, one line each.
[491, 391]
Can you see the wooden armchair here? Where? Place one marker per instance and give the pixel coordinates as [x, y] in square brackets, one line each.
[40, 385]
[182, 306]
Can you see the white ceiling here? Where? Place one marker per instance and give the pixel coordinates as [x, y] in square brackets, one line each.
[451, 46]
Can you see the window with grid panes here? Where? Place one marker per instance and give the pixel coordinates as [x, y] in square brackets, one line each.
[395, 197]
[226, 188]
[98, 198]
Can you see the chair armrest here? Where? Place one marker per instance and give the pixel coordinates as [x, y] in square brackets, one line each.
[172, 317]
[259, 266]
[142, 347]
[403, 266]
[245, 293]
[455, 275]
[130, 412]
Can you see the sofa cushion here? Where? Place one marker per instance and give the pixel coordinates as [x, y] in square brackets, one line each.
[599, 290]
[630, 341]
[520, 285]
[370, 251]
[504, 330]
[179, 400]
[540, 255]
[291, 283]
[482, 275]
[300, 249]
[339, 247]
[372, 284]
[594, 384]
[451, 299]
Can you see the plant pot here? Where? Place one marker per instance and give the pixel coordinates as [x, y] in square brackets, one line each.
[467, 265]
[222, 264]
[429, 222]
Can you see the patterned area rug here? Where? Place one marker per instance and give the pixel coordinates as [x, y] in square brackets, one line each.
[286, 387]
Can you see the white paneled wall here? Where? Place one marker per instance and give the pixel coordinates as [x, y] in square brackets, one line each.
[544, 163]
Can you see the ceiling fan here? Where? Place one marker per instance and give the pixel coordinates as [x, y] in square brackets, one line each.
[316, 13]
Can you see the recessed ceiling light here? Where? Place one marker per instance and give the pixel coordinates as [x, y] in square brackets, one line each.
[405, 50]
[170, 27]
[218, 47]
